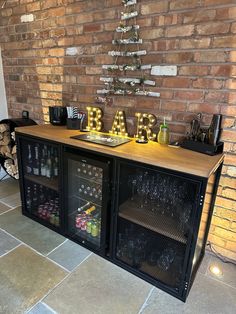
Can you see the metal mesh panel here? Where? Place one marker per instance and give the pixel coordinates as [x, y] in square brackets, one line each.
[139, 248]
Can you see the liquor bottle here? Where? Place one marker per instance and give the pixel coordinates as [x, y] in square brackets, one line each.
[36, 164]
[28, 198]
[29, 166]
[43, 163]
[41, 195]
[35, 198]
[49, 166]
[55, 164]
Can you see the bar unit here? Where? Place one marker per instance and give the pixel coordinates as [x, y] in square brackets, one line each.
[151, 218]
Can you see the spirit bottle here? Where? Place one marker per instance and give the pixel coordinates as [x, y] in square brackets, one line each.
[43, 163]
[29, 168]
[36, 165]
[55, 164]
[49, 166]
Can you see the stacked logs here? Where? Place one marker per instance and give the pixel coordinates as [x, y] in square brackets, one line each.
[8, 151]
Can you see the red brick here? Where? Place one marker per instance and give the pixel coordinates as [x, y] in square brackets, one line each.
[228, 110]
[208, 83]
[228, 135]
[214, 56]
[176, 82]
[179, 31]
[204, 108]
[173, 106]
[153, 8]
[224, 42]
[193, 43]
[183, 4]
[179, 58]
[193, 70]
[199, 16]
[189, 95]
[93, 28]
[212, 28]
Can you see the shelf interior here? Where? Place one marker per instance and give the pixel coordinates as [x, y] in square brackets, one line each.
[156, 222]
[51, 183]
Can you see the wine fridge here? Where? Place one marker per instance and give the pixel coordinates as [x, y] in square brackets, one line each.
[87, 198]
[40, 176]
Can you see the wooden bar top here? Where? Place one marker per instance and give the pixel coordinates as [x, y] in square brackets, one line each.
[178, 159]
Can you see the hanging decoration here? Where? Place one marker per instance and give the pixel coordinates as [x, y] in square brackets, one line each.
[145, 122]
[127, 37]
[94, 119]
[119, 124]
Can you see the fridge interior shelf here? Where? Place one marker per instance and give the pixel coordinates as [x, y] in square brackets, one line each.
[51, 183]
[161, 224]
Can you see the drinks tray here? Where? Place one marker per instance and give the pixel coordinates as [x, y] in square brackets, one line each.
[203, 148]
[102, 139]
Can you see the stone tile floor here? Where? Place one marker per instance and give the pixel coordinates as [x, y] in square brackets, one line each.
[41, 272]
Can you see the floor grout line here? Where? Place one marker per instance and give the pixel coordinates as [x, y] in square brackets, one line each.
[146, 301]
[6, 211]
[11, 250]
[51, 290]
[57, 247]
[4, 203]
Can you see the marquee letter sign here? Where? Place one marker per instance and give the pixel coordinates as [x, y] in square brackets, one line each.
[145, 122]
[94, 119]
[119, 124]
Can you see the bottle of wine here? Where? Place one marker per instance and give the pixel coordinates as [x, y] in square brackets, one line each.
[55, 164]
[29, 166]
[43, 163]
[49, 166]
[36, 164]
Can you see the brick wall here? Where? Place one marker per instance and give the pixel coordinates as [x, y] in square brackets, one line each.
[197, 36]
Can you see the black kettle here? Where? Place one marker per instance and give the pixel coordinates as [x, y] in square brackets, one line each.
[57, 115]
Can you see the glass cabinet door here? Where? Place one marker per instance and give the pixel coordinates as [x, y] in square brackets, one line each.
[40, 163]
[154, 222]
[86, 200]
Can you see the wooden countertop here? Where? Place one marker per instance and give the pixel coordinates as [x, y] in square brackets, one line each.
[178, 159]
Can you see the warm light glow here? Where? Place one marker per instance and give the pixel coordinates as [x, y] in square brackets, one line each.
[94, 116]
[215, 270]
[119, 124]
[145, 122]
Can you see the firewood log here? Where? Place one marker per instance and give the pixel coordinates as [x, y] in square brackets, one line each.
[6, 139]
[13, 151]
[4, 127]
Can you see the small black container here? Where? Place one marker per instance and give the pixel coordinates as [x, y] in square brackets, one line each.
[200, 147]
[57, 115]
[73, 124]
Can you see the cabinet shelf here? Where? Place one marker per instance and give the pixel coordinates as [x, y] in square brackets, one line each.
[51, 183]
[161, 224]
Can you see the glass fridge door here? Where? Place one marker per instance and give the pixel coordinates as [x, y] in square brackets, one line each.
[87, 199]
[40, 165]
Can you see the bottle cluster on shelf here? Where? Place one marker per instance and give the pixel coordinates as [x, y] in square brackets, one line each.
[89, 171]
[88, 220]
[44, 203]
[42, 160]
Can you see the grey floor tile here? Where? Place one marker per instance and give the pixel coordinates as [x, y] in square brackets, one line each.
[229, 271]
[3, 208]
[7, 242]
[69, 255]
[41, 308]
[12, 200]
[98, 286]
[8, 187]
[207, 296]
[26, 277]
[30, 232]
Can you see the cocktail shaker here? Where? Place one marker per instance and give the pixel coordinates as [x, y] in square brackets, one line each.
[214, 129]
